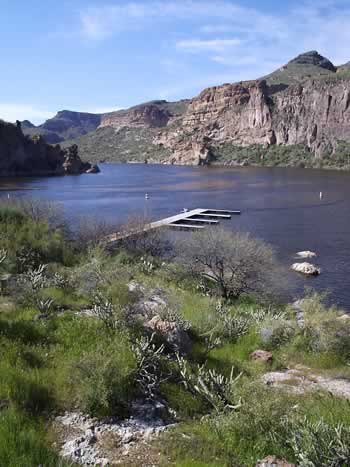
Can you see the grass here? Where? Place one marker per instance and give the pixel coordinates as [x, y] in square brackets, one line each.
[23, 442]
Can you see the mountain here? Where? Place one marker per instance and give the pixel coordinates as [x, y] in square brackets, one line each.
[305, 66]
[22, 155]
[299, 115]
[64, 125]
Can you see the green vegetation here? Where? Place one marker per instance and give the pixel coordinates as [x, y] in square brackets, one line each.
[282, 156]
[75, 336]
[107, 144]
[294, 73]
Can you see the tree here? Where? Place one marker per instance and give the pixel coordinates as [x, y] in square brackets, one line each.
[235, 263]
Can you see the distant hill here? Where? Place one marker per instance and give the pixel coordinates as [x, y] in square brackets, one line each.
[64, 125]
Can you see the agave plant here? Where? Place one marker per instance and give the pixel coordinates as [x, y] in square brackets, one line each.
[217, 389]
[148, 357]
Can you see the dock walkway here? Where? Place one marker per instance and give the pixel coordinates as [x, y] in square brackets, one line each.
[196, 219]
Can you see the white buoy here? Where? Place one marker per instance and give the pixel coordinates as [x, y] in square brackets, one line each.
[146, 196]
[321, 195]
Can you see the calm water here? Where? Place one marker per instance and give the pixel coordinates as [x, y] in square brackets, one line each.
[281, 206]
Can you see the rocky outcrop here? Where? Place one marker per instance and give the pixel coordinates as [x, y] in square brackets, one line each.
[302, 379]
[314, 58]
[23, 156]
[154, 114]
[273, 461]
[262, 356]
[88, 441]
[315, 114]
[73, 165]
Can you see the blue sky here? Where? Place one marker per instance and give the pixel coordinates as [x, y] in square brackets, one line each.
[97, 55]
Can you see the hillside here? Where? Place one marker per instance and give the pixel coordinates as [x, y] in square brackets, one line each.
[128, 135]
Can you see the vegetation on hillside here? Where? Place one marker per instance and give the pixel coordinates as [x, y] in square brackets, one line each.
[124, 145]
[73, 337]
[283, 156]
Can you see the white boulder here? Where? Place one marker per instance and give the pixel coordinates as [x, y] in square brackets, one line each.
[306, 268]
[306, 254]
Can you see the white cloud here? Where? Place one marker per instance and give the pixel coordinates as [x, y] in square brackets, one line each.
[12, 112]
[321, 24]
[213, 45]
[101, 22]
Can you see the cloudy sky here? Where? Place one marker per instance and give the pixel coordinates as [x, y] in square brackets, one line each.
[97, 55]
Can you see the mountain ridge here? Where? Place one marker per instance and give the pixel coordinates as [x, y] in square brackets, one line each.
[302, 108]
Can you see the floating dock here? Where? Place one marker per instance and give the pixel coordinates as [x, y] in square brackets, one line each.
[196, 219]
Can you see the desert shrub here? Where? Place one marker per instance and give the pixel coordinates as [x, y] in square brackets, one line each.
[143, 242]
[217, 390]
[322, 331]
[29, 242]
[276, 333]
[149, 369]
[234, 263]
[23, 444]
[103, 381]
[238, 437]
[94, 368]
[185, 404]
[316, 443]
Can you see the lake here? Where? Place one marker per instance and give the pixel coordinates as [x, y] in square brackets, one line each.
[281, 206]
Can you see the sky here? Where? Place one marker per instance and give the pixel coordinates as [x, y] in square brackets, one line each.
[103, 55]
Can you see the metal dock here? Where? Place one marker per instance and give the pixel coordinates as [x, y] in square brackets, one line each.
[196, 219]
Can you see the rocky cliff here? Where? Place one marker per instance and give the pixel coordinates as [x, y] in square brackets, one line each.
[22, 155]
[154, 114]
[312, 113]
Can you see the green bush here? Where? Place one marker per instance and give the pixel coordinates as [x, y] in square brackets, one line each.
[102, 381]
[29, 242]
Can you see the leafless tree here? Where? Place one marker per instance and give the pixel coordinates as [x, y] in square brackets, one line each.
[235, 263]
[141, 240]
[92, 232]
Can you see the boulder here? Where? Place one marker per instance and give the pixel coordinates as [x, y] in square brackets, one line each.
[175, 336]
[306, 268]
[94, 169]
[261, 355]
[306, 254]
[343, 317]
[273, 461]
